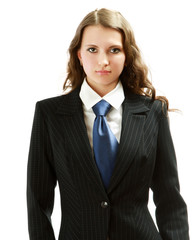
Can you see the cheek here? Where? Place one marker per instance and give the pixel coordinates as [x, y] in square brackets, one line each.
[87, 67]
[88, 64]
[119, 63]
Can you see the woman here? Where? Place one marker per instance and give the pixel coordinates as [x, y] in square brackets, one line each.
[104, 196]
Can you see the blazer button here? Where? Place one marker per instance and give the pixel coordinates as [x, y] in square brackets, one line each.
[104, 204]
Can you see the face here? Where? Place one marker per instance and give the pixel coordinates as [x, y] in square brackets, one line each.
[102, 57]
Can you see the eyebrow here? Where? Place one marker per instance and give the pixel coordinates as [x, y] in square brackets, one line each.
[112, 46]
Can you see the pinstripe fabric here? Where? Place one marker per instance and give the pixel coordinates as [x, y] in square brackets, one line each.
[60, 151]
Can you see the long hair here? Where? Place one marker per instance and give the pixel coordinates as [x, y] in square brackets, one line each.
[134, 76]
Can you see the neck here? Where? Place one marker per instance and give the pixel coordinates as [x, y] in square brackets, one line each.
[102, 90]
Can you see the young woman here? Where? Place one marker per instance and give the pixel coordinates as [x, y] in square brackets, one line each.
[104, 196]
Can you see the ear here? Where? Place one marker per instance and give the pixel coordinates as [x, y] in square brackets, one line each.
[125, 64]
[79, 56]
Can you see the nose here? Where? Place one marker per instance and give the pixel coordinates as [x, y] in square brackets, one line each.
[103, 59]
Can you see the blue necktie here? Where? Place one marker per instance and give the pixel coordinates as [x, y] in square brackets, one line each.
[105, 144]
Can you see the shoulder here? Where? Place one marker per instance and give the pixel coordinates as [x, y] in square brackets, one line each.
[55, 104]
[155, 107]
[52, 101]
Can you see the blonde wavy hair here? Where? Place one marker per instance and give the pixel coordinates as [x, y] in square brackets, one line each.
[134, 76]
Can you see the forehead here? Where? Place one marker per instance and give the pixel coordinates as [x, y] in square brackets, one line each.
[99, 35]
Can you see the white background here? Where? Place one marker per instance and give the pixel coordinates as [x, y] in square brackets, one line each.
[35, 35]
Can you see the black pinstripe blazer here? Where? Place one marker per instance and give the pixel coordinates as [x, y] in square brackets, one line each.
[60, 151]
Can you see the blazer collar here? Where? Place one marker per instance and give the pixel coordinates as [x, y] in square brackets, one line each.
[133, 120]
[72, 103]
[71, 111]
[135, 103]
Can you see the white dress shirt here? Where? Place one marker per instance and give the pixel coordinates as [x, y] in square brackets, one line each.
[114, 117]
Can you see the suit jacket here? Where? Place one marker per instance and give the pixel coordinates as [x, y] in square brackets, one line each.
[60, 151]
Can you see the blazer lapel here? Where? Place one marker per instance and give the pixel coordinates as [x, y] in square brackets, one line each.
[133, 121]
[75, 126]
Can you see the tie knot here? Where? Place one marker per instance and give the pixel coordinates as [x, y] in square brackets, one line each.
[101, 108]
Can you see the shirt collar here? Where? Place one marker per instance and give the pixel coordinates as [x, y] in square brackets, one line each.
[89, 97]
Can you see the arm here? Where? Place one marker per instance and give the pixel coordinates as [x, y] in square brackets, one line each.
[41, 181]
[171, 211]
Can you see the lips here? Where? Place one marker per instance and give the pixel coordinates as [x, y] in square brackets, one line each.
[103, 72]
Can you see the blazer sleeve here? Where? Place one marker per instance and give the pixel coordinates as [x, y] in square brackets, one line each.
[171, 210]
[41, 181]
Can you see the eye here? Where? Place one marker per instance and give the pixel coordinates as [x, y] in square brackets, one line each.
[115, 50]
[92, 50]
